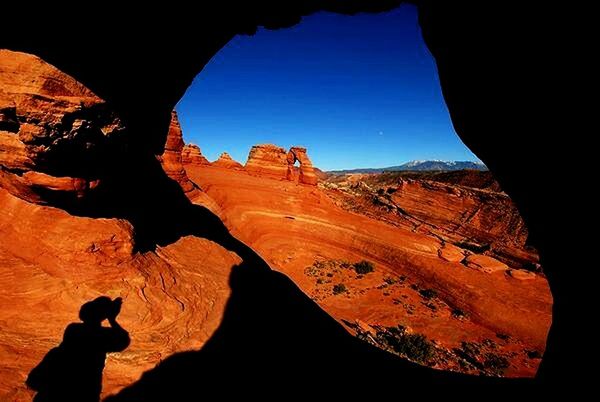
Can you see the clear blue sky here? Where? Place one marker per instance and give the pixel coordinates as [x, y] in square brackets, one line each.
[357, 91]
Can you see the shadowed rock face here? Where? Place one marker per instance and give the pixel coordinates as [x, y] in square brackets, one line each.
[55, 134]
[494, 83]
[172, 159]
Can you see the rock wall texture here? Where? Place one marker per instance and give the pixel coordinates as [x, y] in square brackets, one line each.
[55, 134]
[172, 159]
[191, 154]
[494, 81]
[307, 174]
[273, 161]
[268, 160]
[226, 161]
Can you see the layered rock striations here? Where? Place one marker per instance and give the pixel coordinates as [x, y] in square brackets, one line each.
[55, 134]
[60, 142]
[172, 159]
[192, 155]
[226, 161]
[306, 172]
[273, 161]
[480, 221]
[426, 275]
[268, 160]
[172, 163]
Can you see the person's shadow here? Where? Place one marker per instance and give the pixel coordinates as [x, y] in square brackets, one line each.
[72, 371]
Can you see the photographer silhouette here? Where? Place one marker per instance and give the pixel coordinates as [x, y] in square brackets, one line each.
[73, 370]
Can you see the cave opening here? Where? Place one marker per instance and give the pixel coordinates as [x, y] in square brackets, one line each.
[352, 106]
[426, 292]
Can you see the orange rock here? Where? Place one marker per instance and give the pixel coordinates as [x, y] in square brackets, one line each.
[291, 226]
[272, 161]
[448, 252]
[485, 263]
[47, 117]
[307, 173]
[226, 161]
[268, 160]
[51, 263]
[521, 275]
[191, 154]
[171, 159]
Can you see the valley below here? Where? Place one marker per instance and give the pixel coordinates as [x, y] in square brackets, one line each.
[447, 264]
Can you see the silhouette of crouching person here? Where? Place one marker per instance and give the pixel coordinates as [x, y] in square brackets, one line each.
[73, 370]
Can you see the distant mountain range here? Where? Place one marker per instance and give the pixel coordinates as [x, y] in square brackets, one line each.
[419, 166]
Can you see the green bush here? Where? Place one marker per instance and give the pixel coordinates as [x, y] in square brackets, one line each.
[339, 288]
[363, 267]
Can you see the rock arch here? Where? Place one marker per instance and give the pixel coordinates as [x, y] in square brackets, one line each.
[306, 171]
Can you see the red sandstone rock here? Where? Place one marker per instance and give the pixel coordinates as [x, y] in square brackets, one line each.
[521, 275]
[44, 113]
[272, 161]
[470, 218]
[451, 253]
[226, 161]
[292, 226]
[307, 174]
[171, 159]
[51, 263]
[485, 263]
[172, 163]
[268, 160]
[191, 154]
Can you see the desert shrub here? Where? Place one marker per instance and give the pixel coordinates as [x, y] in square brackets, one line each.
[339, 288]
[428, 293]
[458, 314]
[414, 346]
[389, 280]
[345, 264]
[319, 281]
[495, 362]
[534, 354]
[363, 267]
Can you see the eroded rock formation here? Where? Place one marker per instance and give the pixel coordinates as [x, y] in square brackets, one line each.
[191, 154]
[272, 161]
[268, 160]
[307, 174]
[481, 66]
[171, 159]
[226, 161]
[476, 220]
[450, 294]
[55, 134]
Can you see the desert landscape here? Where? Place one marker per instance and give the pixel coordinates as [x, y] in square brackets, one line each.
[435, 258]
[429, 266]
